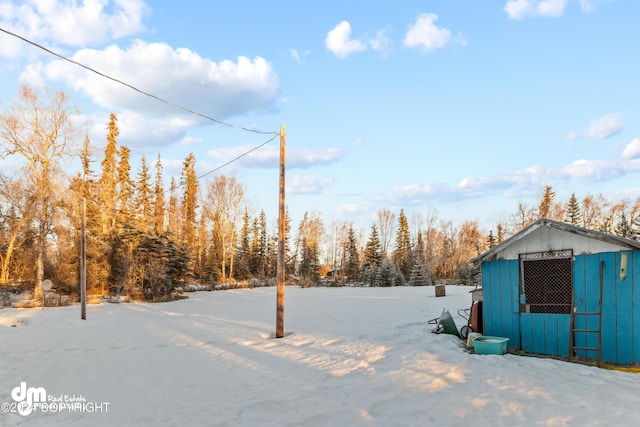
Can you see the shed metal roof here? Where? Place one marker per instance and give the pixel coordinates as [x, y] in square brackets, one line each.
[561, 226]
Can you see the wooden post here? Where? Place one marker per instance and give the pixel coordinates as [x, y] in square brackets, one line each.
[281, 254]
[83, 262]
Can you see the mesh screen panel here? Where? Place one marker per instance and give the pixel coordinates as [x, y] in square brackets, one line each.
[547, 279]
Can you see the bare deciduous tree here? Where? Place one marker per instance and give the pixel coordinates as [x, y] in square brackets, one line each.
[42, 134]
[386, 224]
[18, 198]
[222, 206]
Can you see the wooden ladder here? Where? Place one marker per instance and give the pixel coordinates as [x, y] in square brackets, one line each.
[586, 315]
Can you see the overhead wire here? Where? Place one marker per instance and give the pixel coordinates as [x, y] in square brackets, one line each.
[155, 97]
[237, 158]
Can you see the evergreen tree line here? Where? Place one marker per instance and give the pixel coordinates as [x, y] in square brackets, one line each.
[148, 241]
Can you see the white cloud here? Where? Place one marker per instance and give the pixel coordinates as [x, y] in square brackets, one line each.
[522, 182]
[426, 34]
[353, 208]
[601, 128]
[591, 5]
[308, 158]
[301, 184]
[181, 76]
[339, 42]
[593, 170]
[551, 8]
[140, 131]
[296, 55]
[632, 150]
[519, 9]
[157, 131]
[269, 156]
[381, 41]
[71, 23]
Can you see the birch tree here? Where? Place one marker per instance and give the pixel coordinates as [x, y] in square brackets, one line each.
[222, 205]
[41, 132]
[18, 209]
[386, 222]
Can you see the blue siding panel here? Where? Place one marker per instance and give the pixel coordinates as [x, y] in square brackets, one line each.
[505, 299]
[591, 305]
[496, 302]
[624, 313]
[538, 333]
[526, 332]
[609, 302]
[580, 296]
[508, 292]
[500, 283]
[514, 339]
[551, 334]
[634, 271]
[564, 329]
[487, 289]
[490, 285]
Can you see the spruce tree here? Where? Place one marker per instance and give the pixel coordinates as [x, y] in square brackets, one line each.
[635, 227]
[401, 255]
[172, 211]
[97, 268]
[263, 248]
[419, 253]
[243, 258]
[491, 240]
[352, 257]
[189, 183]
[500, 233]
[254, 248]
[544, 209]
[200, 257]
[309, 262]
[108, 179]
[144, 197]
[90, 190]
[623, 228]
[125, 201]
[372, 256]
[158, 200]
[419, 275]
[388, 274]
[272, 256]
[290, 259]
[572, 211]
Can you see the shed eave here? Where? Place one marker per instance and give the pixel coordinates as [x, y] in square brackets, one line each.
[492, 253]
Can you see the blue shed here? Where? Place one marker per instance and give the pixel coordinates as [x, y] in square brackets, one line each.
[565, 291]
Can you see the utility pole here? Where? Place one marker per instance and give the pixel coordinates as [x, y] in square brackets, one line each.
[83, 262]
[281, 226]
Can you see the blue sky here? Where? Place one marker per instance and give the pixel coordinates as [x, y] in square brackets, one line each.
[463, 108]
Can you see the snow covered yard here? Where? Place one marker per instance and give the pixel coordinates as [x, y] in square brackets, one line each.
[350, 357]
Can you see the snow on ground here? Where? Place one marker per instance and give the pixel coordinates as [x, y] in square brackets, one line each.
[350, 357]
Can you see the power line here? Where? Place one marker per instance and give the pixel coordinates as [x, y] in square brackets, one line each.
[157, 98]
[150, 95]
[238, 157]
